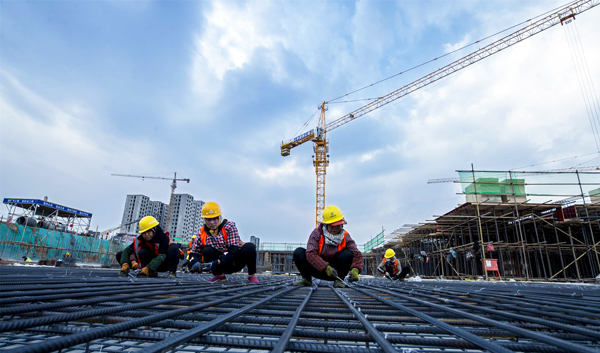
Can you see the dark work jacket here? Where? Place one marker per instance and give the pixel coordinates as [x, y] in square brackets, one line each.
[157, 247]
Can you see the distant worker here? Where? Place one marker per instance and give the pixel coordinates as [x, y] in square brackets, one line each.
[220, 245]
[330, 252]
[150, 252]
[390, 267]
[26, 259]
[193, 260]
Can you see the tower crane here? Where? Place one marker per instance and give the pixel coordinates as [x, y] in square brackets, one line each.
[173, 187]
[318, 135]
[107, 231]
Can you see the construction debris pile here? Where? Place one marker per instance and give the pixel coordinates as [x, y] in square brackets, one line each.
[77, 310]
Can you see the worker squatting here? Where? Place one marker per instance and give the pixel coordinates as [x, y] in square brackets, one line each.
[330, 253]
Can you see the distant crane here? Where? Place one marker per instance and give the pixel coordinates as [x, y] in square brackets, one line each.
[567, 170]
[318, 136]
[117, 227]
[173, 187]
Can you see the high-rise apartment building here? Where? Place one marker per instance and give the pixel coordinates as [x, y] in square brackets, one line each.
[185, 220]
[186, 217]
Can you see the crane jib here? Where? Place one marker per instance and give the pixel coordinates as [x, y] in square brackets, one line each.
[300, 137]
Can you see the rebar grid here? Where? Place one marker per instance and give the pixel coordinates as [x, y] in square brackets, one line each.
[77, 310]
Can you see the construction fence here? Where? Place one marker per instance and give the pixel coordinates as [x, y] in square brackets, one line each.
[44, 244]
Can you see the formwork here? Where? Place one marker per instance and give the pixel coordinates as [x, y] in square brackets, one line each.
[76, 310]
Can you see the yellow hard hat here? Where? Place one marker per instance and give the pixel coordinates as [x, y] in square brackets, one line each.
[211, 210]
[68, 254]
[332, 215]
[147, 223]
[194, 236]
[389, 253]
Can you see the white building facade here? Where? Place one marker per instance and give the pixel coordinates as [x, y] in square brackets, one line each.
[186, 217]
[185, 220]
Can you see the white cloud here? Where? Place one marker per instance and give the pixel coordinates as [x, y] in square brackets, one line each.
[233, 32]
[60, 151]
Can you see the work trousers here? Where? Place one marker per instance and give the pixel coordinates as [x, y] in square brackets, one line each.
[341, 262]
[145, 256]
[405, 271]
[246, 256]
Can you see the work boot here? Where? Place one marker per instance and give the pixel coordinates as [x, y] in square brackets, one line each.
[303, 282]
[172, 275]
[338, 284]
[252, 279]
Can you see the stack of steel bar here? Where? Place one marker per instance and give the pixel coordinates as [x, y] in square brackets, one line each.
[77, 310]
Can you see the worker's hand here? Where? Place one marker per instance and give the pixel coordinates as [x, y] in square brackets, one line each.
[134, 265]
[387, 275]
[331, 272]
[353, 275]
[125, 267]
[145, 271]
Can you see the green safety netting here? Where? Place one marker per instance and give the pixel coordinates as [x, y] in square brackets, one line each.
[39, 243]
[529, 183]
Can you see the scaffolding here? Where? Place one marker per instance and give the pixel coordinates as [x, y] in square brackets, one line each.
[506, 223]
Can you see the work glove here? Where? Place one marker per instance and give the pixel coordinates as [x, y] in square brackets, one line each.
[125, 267]
[196, 267]
[145, 271]
[134, 265]
[388, 276]
[331, 272]
[353, 275]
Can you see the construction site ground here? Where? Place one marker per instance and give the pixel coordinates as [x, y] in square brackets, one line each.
[45, 309]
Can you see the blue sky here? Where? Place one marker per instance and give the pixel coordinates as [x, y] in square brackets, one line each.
[210, 89]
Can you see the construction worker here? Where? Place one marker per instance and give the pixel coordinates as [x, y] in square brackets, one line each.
[330, 252]
[390, 267]
[220, 245]
[150, 252]
[26, 258]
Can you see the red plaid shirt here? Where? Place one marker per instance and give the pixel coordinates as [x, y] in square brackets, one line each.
[218, 241]
[316, 259]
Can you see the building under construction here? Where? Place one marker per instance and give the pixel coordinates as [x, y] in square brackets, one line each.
[511, 228]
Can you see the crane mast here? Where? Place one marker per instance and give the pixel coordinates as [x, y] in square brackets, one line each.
[321, 161]
[318, 137]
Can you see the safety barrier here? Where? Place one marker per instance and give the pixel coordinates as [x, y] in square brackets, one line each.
[38, 243]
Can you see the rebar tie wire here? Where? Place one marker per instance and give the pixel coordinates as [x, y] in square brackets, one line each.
[282, 344]
[384, 345]
[68, 341]
[566, 327]
[568, 346]
[46, 320]
[177, 340]
[449, 328]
